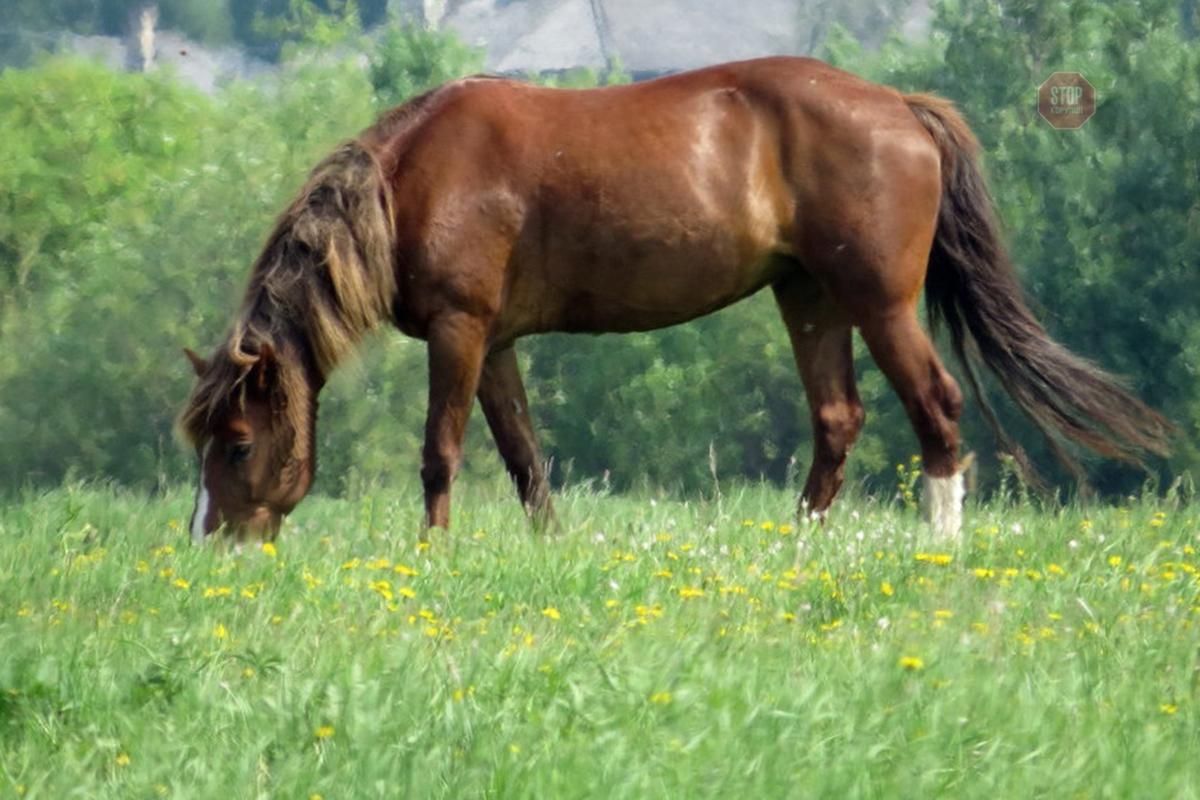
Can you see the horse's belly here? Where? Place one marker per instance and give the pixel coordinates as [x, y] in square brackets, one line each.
[663, 287]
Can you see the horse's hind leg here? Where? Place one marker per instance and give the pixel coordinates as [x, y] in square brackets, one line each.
[821, 343]
[933, 402]
[866, 237]
[502, 395]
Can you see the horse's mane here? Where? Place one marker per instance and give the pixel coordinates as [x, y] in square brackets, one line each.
[324, 279]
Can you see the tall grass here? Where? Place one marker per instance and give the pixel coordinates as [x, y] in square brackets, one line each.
[652, 649]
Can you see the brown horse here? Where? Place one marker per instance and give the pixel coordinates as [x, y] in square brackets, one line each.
[489, 209]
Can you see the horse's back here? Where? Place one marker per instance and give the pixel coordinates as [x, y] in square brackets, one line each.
[626, 207]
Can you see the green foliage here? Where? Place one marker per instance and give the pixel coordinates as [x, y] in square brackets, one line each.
[409, 60]
[273, 29]
[130, 225]
[305, 23]
[1102, 220]
[131, 209]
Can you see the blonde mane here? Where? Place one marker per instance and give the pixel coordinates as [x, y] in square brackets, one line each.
[325, 278]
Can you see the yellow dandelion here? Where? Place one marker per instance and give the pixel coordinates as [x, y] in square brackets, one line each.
[182, 584]
[550, 612]
[1168, 708]
[912, 663]
[123, 760]
[940, 559]
[690, 592]
[886, 589]
[405, 570]
[660, 698]
[943, 613]
[663, 573]
[1114, 561]
[406, 592]
[219, 631]
[324, 732]
[269, 550]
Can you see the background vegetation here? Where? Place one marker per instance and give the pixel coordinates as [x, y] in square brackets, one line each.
[131, 208]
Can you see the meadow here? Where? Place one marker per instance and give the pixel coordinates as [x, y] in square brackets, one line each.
[653, 648]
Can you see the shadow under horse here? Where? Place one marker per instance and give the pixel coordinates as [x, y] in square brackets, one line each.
[490, 209]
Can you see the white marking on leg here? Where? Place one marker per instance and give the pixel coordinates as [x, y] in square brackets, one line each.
[944, 505]
[200, 514]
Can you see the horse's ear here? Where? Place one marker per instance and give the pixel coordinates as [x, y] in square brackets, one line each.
[198, 363]
[264, 368]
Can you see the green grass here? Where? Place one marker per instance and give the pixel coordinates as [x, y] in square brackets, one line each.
[650, 650]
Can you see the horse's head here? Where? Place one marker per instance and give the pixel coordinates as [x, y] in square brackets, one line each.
[253, 438]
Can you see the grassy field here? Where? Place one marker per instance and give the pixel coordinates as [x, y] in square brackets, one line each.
[650, 650]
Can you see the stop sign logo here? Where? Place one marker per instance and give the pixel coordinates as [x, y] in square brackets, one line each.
[1066, 100]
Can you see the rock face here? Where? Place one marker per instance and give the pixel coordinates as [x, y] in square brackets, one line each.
[659, 36]
[529, 35]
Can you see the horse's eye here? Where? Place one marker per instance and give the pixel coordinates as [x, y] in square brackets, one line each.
[239, 452]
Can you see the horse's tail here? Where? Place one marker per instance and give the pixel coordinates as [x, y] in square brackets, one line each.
[972, 287]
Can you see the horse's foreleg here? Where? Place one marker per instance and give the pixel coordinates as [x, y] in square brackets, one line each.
[456, 350]
[821, 343]
[502, 395]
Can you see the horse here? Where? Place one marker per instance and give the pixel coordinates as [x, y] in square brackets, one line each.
[490, 209]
